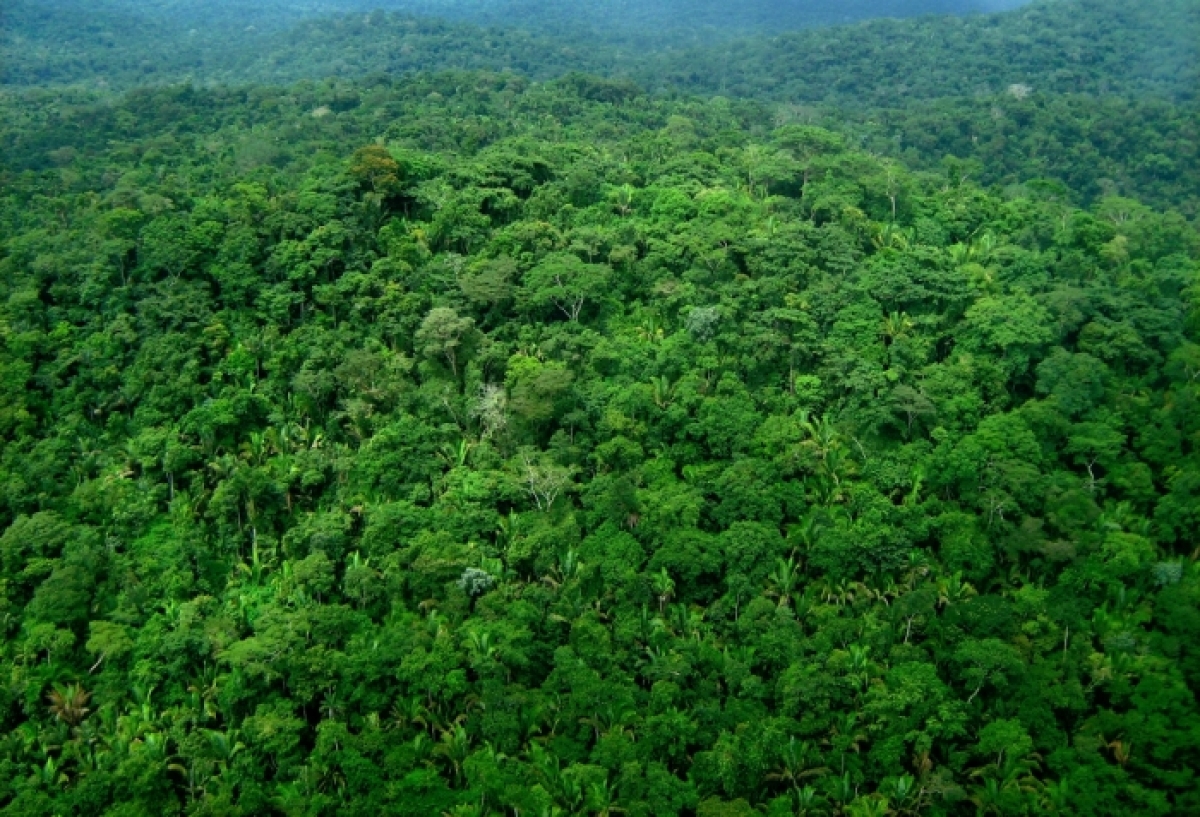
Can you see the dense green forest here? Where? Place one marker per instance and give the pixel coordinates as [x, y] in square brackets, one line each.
[1060, 46]
[136, 41]
[1094, 95]
[437, 433]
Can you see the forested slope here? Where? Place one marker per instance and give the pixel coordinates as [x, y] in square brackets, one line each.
[107, 45]
[1068, 46]
[1053, 46]
[495, 415]
[1092, 95]
[651, 23]
[661, 23]
[456, 445]
[1086, 146]
[1097, 47]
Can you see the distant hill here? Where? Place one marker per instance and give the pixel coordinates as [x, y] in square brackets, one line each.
[1063, 46]
[1055, 46]
[652, 19]
[132, 42]
[1071, 46]
[107, 43]
[658, 22]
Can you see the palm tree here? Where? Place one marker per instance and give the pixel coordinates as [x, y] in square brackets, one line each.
[603, 797]
[784, 578]
[807, 532]
[823, 438]
[847, 736]
[798, 762]
[224, 746]
[899, 792]
[861, 666]
[622, 198]
[483, 651]
[454, 747]
[1056, 798]
[961, 254]
[610, 720]
[663, 392]
[409, 712]
[664, 588]
[651, 330]
[892, 236]
[953, 589]
[69, 704]
[872, 805]
[916, 567]
[49, 774]
[896, 325]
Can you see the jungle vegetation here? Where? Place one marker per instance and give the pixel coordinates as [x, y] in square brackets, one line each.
[137, 41]
[563, 441]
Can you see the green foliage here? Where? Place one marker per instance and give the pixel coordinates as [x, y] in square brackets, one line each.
[463, 445]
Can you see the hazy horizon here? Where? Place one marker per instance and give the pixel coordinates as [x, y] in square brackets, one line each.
[534, 15]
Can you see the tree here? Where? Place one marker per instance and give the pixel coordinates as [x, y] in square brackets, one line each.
[541, 478]
[1004, 737]
[1093, 444]
[536, 389]
[108, 641]
[1075, 381]
[1016, 326]
[443, 333]
[567, 283]
[490, 283]
[912, 404]
[986, 661]
[69, 703]
[374, 167]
